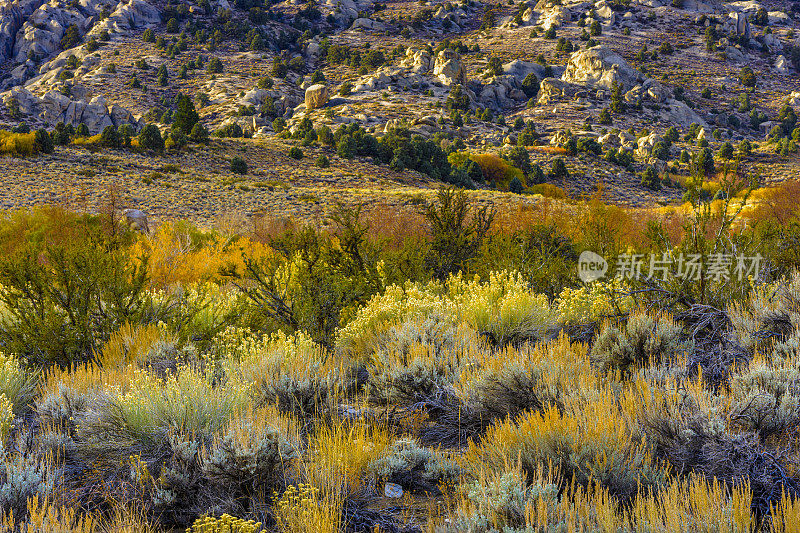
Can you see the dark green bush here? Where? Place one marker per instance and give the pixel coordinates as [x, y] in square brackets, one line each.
[67, 293]
[238, 165]
[150, 138]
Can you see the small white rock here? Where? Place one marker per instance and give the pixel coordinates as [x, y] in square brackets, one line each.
[393, 490]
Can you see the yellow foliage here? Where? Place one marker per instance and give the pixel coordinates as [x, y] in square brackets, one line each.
[173, 258]
[90, 141]
[593, 302]
[548, 190]
[396, 304]
[129, 345]
[503, 306]
[20, 144]
[498, 170]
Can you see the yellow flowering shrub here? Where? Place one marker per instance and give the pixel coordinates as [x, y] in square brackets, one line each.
[503, 306]
[188, 401]
[6, 418]
[130, 344]
[290, 370]
[301, 508]
[224, 524]
[16, 383]
[593, 302]
[396, 304]
[240, 344]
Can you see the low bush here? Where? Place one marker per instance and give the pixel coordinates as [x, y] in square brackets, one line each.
[644, 339]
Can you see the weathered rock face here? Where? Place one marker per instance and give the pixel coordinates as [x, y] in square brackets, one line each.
[681, 114]
[129, 16]
[551, 89]
[345, 11]
[34, 28]
[644, 145]
[782, 65]
[599, 67]
[742, 25]
[316, 96]
[449, 68]
[54, 107]
[368, 24]
[418, 61]
[520, 69]
[552, 14]
[12, 17]
[501, 92]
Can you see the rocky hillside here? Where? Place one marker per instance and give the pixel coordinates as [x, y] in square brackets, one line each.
[636, 94]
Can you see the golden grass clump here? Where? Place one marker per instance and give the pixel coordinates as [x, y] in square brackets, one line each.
[504, 383]
[339, 458]
[44, 516]
[589, 441]
[88, 377]
[129, 345]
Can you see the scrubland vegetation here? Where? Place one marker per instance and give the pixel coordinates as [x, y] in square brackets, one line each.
[292, 377]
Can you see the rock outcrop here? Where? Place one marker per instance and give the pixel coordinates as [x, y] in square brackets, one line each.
[317, 96]
[129, 16]
[600, 67]
[54, 107]
[449, 68]
[419, 61]
[552, 14]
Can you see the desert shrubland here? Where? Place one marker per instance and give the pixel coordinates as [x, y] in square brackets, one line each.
[232, 390]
